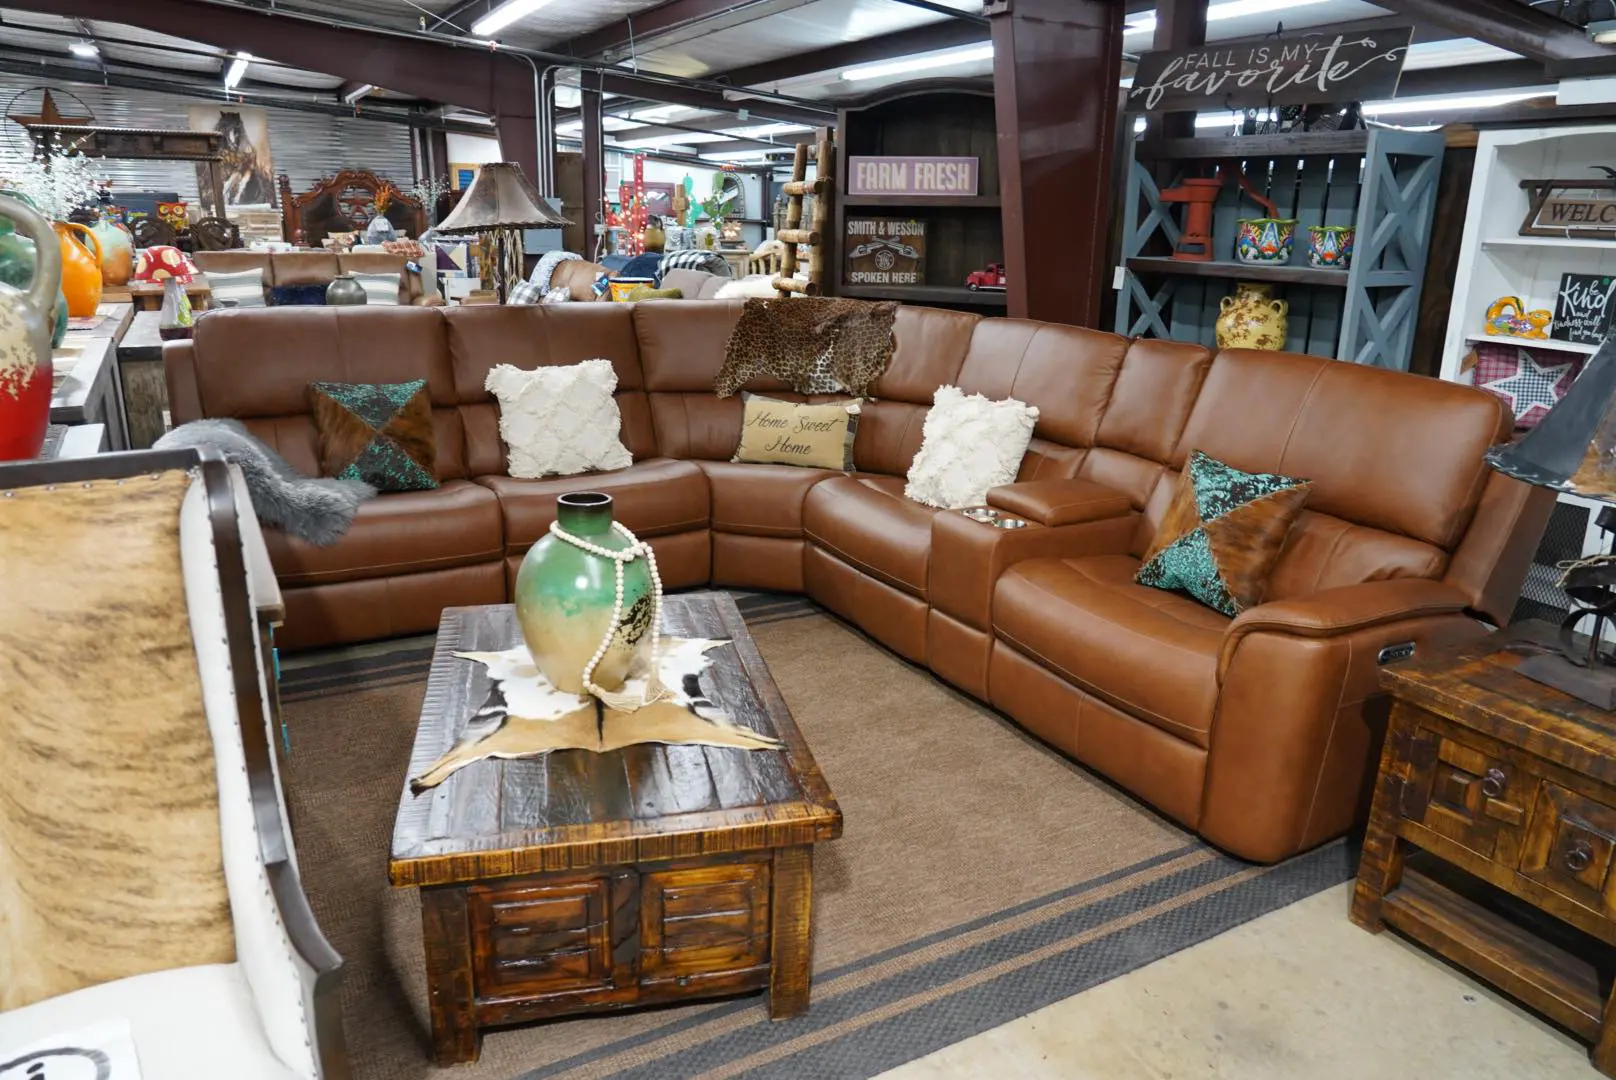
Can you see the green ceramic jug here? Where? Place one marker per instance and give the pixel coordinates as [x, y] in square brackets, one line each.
[565, 595]
[17, 270]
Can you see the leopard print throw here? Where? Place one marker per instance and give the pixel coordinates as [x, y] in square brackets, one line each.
[808, 341]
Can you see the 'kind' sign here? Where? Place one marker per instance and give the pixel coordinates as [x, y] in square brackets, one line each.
[911, 176]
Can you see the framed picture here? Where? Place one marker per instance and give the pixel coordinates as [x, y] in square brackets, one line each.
[659, 200]
[461, 175]
[885, 251]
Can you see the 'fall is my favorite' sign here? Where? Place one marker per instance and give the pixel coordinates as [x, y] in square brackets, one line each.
[911, 176]
[1283, 71]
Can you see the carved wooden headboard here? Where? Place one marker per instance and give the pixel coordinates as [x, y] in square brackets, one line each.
[342, 203]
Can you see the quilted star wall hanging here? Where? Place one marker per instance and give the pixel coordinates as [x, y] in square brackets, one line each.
[1528, 380]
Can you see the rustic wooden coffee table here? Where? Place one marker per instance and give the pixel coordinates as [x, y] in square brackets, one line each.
[581, 882]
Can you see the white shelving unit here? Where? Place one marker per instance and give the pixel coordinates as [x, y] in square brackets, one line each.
[1495, 260]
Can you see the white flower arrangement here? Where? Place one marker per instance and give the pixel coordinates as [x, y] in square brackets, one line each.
[56, 188]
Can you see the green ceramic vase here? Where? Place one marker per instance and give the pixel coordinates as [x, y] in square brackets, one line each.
[564, 598]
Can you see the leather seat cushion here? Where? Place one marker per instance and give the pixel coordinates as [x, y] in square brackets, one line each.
[1151, 653]
[868, 522]
[655, 497]
[759, 499]
[456, 524]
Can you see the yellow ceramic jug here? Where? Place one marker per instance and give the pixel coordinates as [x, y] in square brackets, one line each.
[81, 271]
[1252, 318]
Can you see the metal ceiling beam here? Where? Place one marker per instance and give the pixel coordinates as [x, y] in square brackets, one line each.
[1508, 24]
[954, 33]
[665, 19]
[166, 83]
[940, 9]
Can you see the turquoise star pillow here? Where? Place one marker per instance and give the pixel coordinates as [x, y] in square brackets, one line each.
[1222, 534]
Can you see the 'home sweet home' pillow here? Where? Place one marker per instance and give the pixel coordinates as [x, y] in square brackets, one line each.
[559, 421]
[789, 433]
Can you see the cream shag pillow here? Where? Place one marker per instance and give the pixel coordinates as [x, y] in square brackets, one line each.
[559, 421]
[969, 444]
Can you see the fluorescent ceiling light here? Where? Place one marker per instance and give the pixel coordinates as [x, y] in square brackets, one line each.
[924, 62]
[505, 14]
[84, 48]
[682, 139]
[740, 155]
[1233, 9]
[1603, 32]
[660, 114]
[1440, 54]
[356, 93]
[238, 68]
[765, 131]
[1452, 103]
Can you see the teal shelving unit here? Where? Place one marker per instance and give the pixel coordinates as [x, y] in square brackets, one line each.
[1382, 181]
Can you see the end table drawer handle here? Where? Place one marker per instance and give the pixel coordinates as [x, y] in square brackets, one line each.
[1578, 856]
[1493, 784]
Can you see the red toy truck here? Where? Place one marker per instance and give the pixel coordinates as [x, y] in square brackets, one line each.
[991, 278]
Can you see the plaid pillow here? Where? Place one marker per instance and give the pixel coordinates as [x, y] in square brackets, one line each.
[696, 259]
[524, 292]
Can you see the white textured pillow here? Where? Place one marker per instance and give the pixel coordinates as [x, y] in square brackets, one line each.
[969, 444]
[559, 421]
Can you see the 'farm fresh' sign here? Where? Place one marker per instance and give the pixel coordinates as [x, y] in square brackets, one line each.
[911, 176]
[1282, 71]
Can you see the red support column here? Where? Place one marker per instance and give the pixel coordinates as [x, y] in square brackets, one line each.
[1056, 66]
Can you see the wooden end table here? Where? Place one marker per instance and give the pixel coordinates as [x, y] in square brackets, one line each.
[579, 882]
[1495, 806]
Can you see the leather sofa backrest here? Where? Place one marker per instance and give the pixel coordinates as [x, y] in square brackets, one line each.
[541, 335]
[1066, 371]
[1151, 399]
[303, 267]
[1395, 463]
[682, 349]
[929, 347]
[256, 366]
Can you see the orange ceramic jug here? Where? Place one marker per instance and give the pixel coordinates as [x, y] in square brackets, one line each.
[81, 271]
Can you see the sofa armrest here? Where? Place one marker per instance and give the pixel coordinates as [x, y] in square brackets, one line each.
[1060, 502]
[1343, 610]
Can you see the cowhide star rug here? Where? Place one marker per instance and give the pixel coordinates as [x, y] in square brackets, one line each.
[525, 715]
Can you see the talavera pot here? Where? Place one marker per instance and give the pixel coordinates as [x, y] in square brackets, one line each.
[564, 598]
[25, 340]
[344, 291]
[1252, 318]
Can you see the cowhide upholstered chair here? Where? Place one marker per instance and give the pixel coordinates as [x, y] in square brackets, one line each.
[147, 876]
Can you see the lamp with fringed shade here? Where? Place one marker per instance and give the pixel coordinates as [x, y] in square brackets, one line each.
[499, 204]
[1573, 449]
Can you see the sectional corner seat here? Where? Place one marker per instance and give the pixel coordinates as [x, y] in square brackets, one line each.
[1257, 731]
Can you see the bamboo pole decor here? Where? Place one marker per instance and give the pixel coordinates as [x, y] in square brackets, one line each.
[814, 237]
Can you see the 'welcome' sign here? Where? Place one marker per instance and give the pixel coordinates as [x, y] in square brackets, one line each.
[1281, 71]
[911, 175]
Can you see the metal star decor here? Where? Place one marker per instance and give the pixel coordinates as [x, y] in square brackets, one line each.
[48, 115]
[1531, 387]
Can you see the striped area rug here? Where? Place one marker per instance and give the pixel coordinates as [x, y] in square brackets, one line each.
[981, 875]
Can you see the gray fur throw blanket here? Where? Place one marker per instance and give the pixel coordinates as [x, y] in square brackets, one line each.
[317, 511]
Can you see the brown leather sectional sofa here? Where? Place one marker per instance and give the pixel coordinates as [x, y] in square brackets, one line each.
[1257, 732]
[318, 268]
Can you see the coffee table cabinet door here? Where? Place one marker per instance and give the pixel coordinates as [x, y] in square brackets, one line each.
[533, 939]
[700, 922]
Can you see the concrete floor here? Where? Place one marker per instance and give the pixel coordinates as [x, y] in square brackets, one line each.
[1299, 994]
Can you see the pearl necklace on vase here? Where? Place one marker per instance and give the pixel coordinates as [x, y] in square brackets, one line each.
[654, 690]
